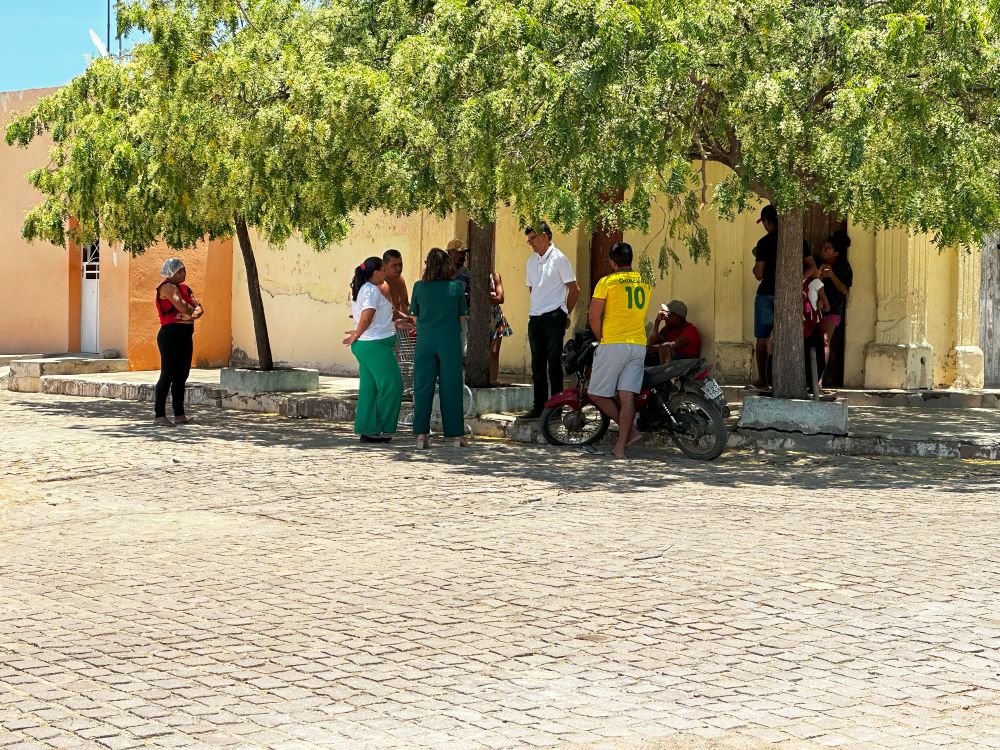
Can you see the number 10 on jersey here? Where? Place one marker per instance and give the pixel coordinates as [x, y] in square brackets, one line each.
[636, 297]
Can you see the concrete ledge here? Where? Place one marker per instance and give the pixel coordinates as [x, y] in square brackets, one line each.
[6, 359]
[332, 408]
[936, 398]
[502, 398]
[794, 415]
[771, 441]
[256, 382]
[25, 373]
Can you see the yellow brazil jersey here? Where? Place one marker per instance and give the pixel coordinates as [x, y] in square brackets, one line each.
[626, 298]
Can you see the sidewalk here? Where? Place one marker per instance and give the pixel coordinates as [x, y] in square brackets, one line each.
[942, 426]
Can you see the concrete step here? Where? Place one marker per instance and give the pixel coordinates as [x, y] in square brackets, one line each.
[873, 431]
[26, 373]
[940, 398]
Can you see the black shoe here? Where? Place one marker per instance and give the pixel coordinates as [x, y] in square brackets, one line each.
[533, 414]
[374, 439]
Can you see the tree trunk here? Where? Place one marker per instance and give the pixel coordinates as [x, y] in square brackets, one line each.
[787, 350]
[264, 360]
[480, 260]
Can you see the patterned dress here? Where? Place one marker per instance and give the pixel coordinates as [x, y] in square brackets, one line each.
[500, 325]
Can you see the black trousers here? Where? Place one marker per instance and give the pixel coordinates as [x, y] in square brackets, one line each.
[176, 344]
[545, 336]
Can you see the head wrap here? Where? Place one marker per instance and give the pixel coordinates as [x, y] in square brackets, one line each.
[171, 266]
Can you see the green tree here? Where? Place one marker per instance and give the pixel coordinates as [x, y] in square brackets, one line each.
[221, 121]
[884, 110]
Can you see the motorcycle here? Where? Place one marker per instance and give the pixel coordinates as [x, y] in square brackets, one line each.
[679, 398]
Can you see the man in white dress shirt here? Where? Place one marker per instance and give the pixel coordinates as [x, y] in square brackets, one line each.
[554, 292]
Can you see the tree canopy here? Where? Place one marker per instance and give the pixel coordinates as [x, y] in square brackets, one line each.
[291, 114]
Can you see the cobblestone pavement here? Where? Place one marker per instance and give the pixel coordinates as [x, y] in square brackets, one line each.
[259, 582]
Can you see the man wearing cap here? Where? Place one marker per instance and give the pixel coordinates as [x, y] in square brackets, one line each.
[673, 337]
[617, 317]
[765, 265]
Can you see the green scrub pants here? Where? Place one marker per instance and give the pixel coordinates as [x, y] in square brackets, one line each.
[438, 358]
[381, 389]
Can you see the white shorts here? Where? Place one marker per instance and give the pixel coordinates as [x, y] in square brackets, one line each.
[617, 367]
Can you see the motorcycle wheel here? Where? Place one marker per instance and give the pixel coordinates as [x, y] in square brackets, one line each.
[701, 431]
[563, 425]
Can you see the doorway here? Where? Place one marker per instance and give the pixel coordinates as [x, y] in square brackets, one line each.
[90, 271]
[817, 225]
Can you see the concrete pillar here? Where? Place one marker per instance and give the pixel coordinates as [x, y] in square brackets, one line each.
[733, 355]
[900, 356]
[968, 356]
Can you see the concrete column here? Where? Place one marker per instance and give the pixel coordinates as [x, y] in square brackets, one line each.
[733, 355]
[968, 356]
[900, 356]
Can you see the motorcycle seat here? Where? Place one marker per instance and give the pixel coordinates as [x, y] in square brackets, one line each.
[654, 376]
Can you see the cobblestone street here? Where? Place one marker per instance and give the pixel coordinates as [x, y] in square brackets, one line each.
[256, 582]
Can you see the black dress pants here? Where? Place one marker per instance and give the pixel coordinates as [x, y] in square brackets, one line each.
[545, 336]
[176, 344]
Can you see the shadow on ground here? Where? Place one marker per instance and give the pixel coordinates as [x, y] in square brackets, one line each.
[568, 469]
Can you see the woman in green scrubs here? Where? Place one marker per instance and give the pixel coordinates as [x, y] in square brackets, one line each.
[438, 303]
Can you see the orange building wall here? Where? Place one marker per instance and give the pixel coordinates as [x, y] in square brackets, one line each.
[34, 282]
[114, 298]
[209, 274]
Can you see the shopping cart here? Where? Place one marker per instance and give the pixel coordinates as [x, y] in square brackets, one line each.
[406, 347]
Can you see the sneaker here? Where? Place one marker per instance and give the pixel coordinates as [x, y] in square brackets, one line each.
[533, 414]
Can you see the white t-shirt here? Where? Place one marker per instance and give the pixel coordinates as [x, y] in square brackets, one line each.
[547, 275]
[370, 297]
[814, 286]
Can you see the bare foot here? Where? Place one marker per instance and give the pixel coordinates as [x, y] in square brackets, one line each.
[183, 419]
[635, 438]
[616, 454]
[163, 422]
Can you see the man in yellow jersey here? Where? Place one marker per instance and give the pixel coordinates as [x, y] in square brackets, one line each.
[618, 319]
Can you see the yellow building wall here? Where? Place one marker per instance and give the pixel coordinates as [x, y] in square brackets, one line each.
[307, 294]
[307, 302]
[861, 304]
[512, 253]
[34, 283]
[942, 307]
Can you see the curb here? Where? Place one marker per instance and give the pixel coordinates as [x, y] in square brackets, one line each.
[504, 426]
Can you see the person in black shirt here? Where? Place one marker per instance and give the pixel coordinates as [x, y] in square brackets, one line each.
[838, 277]
[765, 266]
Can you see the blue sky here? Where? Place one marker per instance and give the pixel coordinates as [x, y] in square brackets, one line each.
[44, 41]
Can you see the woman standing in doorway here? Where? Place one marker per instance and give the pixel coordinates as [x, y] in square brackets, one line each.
[838, 278]
[438, 303]
[380, 390]
[177, 309]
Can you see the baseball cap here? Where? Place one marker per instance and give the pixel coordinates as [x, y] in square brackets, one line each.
[768, 213]
[675, 306]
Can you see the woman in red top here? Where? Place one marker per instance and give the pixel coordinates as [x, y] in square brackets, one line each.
[178, 309]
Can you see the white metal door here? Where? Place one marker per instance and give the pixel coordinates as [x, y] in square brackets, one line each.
[89, 298]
